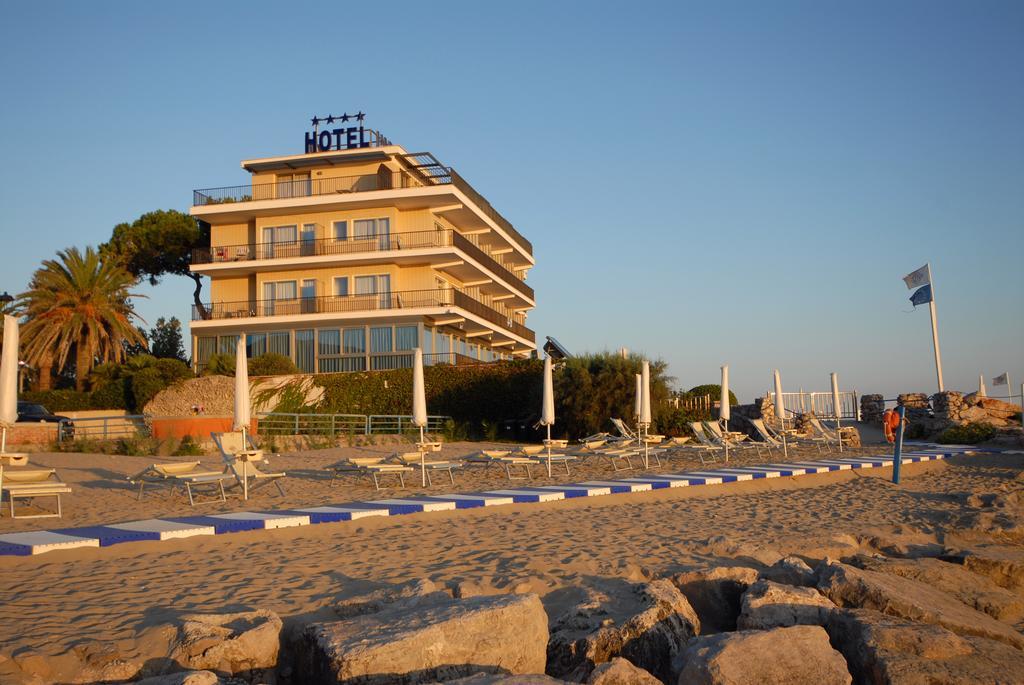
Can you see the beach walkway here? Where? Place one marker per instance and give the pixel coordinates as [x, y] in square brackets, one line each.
[168, 528]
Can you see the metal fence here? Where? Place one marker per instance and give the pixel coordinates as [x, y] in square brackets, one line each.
[820, 403]
[340, 424]
[701, 404]
[108, 427]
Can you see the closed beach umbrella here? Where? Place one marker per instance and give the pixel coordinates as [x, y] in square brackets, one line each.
[243, 414]
[835, 406]
[9, 379]
[724, 411]
[981, 386]
[547, 410]
[419, 407]
[780, 411]
[547, 413]
[645, 397]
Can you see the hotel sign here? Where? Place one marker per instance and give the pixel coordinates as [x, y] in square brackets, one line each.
[344, 138]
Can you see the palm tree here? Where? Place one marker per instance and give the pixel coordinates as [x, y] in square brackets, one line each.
[78, 302]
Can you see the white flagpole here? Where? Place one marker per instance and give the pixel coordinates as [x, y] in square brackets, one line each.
[935, 330]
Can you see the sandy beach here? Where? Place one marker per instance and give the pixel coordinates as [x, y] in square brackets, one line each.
[119, 600]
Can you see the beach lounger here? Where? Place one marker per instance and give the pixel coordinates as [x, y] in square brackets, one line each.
[821, 432]
[27, 484]
[628, 433]
[417, 460]
[714, 432]
[540, 454]
[505, 459]
[242, 460]
[613, 453]
[775, 439]
[189, 474]
[704, 439]
[375, 467]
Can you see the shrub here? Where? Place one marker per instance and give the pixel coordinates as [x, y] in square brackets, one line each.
[220, 365]
[968, 434]
[675, 422]
[271, 364]
[59, 400]
[188, 447]
[172, 370]
[713, 389]
[111, 394]
[145, 384]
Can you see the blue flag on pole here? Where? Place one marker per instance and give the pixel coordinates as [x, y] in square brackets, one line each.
[922, 295]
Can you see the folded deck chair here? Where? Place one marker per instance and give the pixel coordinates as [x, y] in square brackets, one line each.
[187, 473]
[775, 439]
[27, 484]
[703, 438]
[820, 431]
[242, 460]
[714, 432]
[505, 459]
[374, 467]
[416, 460]
[630, 434]
[614, 453]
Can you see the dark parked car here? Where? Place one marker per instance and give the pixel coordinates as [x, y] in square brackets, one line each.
[29, 411]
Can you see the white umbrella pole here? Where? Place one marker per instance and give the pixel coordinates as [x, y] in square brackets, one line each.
[423, 460]
[549, 450]
[3, 442]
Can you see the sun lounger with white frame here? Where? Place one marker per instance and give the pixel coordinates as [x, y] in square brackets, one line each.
[28, 484]
[242, 460]
[189, 474]
[375, 467]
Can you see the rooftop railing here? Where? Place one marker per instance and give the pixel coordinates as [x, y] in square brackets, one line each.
[359, 245]
[385, 179]
[378, 302]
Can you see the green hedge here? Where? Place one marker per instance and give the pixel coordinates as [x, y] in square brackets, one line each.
[472, 395]
[59, 400]
[713, 389]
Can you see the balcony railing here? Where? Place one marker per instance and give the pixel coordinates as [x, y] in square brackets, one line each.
[343, 185]
[382, 243]
[378, 302]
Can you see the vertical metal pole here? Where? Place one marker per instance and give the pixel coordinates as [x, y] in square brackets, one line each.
[897, 449]
[935, 332]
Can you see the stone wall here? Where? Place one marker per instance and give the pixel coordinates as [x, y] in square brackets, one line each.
[871, 408]
[954, 408]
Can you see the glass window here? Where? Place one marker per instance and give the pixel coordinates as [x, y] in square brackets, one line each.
[443, 343]
[340, 231]
[279, 343]
[226, 344]
[341, 286]
[355, 341]
[428, 341]
[380, 339]
[406, 337]
[329, 342]
[205, 348]
[305, 352]
[255, 345]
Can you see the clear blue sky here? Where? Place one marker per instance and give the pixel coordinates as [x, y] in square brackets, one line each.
[722, 182]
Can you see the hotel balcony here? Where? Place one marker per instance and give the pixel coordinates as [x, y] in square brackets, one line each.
[441, 188]
[439, 305]
[446, 250]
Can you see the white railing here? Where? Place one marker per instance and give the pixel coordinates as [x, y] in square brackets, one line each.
[340, 424]
[821, 404]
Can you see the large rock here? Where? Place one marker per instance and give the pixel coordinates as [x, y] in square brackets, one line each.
[1003, 565]
[971, 589]
[773, 605]
[619, 671]
[647, 623]
[799, 655]
[726, 547]
[848, 586]
[715, 594]
[239, 643]
[416, 642]
[502, 679]
[882, 649]
[409, 595]
[790, 571]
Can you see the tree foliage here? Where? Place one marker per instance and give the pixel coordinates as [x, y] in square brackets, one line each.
[159, 243]
[713, 389]
[165, 339]
[271, 364]
[78, 302]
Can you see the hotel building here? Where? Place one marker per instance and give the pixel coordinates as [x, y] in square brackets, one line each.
[348, 259]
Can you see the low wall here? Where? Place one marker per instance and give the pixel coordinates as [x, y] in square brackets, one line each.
[32, 433]
[199, 427]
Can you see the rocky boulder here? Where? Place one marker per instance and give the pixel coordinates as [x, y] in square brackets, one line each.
[416, 641]
[848, 586]
[183, 678]
[619, 671]
[790, 571]
[647, 623]
[772, 605]
[239, 643]
[798, 655]
[501, 679]
[715, 594]
[971, 589]
[884, 649]
[409, 595]
[1003, 565]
